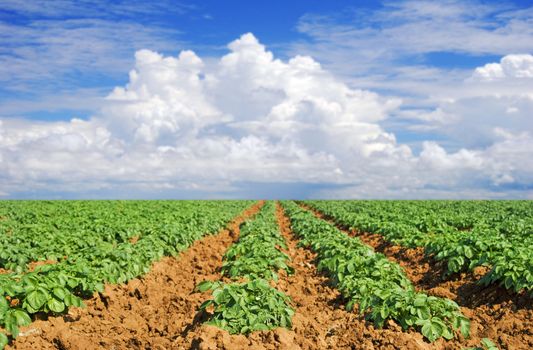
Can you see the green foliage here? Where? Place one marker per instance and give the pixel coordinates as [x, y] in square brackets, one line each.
[513, 269]
[464, 234]
[247, 307]
[91, 242]
[377, 286]
[486, 344]
[4, 340]
[256, 253]
[256, 256]
[13, 319]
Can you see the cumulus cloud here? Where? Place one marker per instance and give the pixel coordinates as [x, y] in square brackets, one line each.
[489, 113]
[510, 66]
[192, 124]
[246, 117]
[496, 99]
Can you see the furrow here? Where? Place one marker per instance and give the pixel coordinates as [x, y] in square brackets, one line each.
[154, 311]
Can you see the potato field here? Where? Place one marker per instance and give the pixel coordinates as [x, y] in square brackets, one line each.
[239, 274]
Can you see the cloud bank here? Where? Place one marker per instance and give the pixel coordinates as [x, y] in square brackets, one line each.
[201, 125]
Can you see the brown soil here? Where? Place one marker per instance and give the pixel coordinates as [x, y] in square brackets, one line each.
[34, 264]
[31, 266]
[321, 320]
[156, 311]
[429, 275]
[159, 311]
[496, 313]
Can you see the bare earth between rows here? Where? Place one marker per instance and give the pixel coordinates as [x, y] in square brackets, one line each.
[496, 313]
[155, 311]
[159, 311]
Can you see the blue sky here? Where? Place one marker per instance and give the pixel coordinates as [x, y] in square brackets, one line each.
[205, 27]
[330, 99]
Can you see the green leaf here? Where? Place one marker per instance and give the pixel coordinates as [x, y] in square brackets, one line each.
[206, 304]
[427, 332]
[204, 286]
[261, 327]
[420, 300]
[468, 252]
[465, 327]
[432, 330]
[37, 298]
[447, 333]
[488, 344]
[350, 305]
[508, 282]
[10, 324]
[72, 300]
[22, 318]
[56, 305]
[60, 293]
[29, 309]
[99, 287]
[423, 312]
[4, 306]
[4, 340]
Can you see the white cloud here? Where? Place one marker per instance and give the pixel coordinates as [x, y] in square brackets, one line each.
[163, 125]
[495, 97]
[58, 51]
[92, 8]
[410, 28]
[418, 50]
[510, 66]
[193, 124]
[489, 111]
[437, 158]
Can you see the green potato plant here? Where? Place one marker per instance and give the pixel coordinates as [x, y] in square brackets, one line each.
[247, 307]
[256, 257]
[100, 250]
[374, 285]
[463, 234]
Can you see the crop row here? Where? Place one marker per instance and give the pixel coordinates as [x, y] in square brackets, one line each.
[54, 230]
[253, 305]
[377, 286]
[464, 234]
[53, 288]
